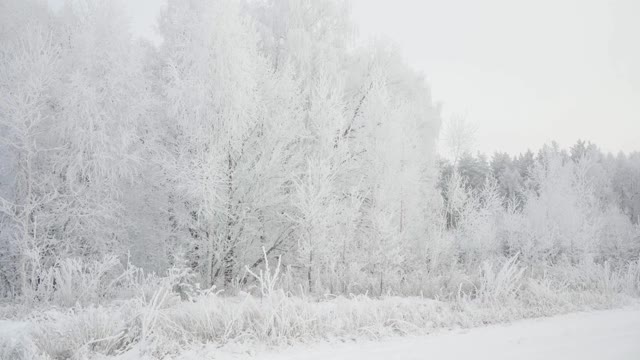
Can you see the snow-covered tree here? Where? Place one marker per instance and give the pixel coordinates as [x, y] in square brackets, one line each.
[233, 130]
[71, 103]
[30, 62]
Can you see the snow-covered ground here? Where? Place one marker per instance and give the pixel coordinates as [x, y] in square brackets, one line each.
[611, 335]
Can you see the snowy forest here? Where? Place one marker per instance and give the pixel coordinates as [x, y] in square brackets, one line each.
[260, 177]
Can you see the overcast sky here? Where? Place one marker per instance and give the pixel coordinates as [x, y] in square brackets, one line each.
[525, 72]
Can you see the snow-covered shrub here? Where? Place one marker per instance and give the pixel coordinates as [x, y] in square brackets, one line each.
[158, 323]
[268, 278]
[16, 344]
[619, 239]
[515, 235]
[601, 278]
[74, 280]
[280, 319]
[499, 286]
[64, 334]
[477, 229]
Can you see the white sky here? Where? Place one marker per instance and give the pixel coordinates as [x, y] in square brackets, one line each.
[525, 72]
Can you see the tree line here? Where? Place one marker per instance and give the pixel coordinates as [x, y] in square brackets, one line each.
[260, 129]
[618, 175]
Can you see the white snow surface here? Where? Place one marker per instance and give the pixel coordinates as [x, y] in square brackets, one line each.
[611, 335]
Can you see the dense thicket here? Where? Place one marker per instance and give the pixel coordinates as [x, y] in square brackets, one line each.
[259, 129]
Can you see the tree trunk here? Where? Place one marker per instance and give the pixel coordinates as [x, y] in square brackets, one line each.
[309, 272]
[229, 258]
